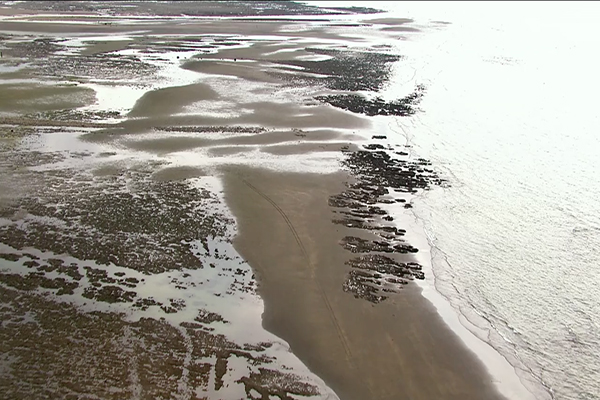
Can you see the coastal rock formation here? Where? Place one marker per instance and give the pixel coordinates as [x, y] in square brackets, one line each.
[378, 170]
[346, 70]
[373, 276]
[377, 106]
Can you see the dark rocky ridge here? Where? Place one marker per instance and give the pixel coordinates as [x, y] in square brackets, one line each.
[346, 70]
[373, 276]
[376, 168]
[377, 106]
[377, 172]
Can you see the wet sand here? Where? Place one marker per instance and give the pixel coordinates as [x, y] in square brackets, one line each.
[396, 349]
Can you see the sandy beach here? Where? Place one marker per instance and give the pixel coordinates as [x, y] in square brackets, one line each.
[184, 196]
[397, 349]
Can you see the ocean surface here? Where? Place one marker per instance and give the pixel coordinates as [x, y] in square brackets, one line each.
[510, 118]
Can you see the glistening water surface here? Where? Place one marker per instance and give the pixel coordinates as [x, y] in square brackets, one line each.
[510, 118]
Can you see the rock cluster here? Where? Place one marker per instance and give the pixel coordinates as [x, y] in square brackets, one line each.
[344, 70]
[377, 106]
[373, 276]
[379, 168]
[378, 171]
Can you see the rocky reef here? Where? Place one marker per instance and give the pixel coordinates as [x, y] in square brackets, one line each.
[359, 104]
[374, 276]
[376, 272]
[379, 171]
[347, 70]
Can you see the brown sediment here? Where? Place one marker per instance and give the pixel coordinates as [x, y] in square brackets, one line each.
[250, 71]
[39, 122]
[396, 349]
[264, 50]
[389, 21]
[303, 148]
[167, 144]
[32, 97]
[271, 115]
[99, 47]
[177, 173]
[171, 100]
[400, 29]
[272, 142]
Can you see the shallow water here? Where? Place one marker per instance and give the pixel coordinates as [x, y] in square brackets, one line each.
[510, 120]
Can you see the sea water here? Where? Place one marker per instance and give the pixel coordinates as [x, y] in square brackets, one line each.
[510, 118]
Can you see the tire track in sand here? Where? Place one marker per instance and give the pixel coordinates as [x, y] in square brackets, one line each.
[332, 315]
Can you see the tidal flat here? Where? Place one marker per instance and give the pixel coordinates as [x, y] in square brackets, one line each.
[191, 207]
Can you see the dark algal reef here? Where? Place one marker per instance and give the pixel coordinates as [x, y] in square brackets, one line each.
[381, 266]
[373, 277]
[344, 70]
[377, 106]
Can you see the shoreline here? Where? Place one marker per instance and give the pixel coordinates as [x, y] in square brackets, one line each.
[330, 330]
[506, 377]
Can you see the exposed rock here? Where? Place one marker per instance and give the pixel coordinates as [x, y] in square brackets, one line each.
[372, 277]
[377, 106]
[346, 70]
